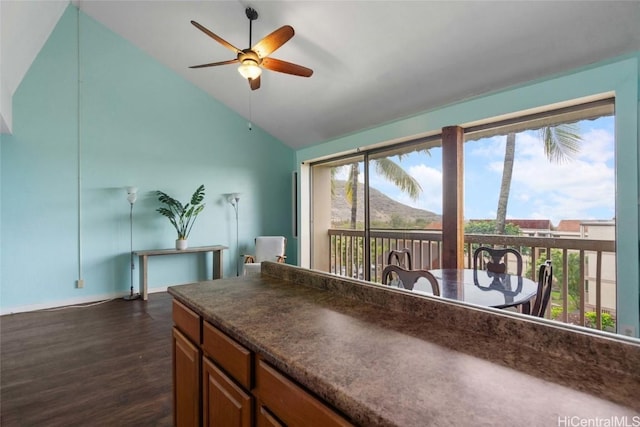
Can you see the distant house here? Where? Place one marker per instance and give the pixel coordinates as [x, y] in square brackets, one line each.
[569, 226]
[533, 227]
[434, 225]
[586, 229]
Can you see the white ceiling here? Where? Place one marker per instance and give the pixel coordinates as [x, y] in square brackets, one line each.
[373, 61]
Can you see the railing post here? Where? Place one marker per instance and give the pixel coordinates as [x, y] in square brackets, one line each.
[452, 197]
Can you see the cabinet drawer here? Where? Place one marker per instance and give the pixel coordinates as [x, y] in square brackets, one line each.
[264, 418]
[231, 356]
[290, 403]
[187, 321]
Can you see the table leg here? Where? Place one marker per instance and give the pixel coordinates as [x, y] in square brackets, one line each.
[142, 264]
[217, 265]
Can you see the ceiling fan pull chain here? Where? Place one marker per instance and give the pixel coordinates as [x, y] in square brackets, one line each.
[250, 124]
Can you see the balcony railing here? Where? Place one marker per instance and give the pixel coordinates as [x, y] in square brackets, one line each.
[586, 260]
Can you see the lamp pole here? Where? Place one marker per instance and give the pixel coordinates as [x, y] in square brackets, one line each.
[234, 199]
[132, 196]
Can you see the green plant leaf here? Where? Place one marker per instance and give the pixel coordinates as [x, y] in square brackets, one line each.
[182, 217]
[198, 195]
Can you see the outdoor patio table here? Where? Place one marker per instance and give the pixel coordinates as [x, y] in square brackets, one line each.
[481, 287]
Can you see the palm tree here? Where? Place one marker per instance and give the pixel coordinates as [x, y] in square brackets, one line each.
[390, 170]
[384, 167]
[561, 143]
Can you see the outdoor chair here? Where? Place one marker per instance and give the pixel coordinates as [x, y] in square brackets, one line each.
[494, 259]
[268, 248]
[401, 257]
[407, 279]
[543, 295]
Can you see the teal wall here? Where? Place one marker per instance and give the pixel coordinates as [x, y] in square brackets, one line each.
[139, 124]
[619, 76]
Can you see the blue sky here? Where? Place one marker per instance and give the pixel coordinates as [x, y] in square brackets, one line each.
[583, 188]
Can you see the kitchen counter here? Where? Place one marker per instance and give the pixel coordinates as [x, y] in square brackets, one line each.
[381, 356]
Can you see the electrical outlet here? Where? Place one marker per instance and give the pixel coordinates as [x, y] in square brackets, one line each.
[628, 330]
[79, 283]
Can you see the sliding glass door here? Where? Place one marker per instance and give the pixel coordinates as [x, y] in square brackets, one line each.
[366, 204]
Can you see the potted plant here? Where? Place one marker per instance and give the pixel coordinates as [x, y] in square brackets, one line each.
[182, 217]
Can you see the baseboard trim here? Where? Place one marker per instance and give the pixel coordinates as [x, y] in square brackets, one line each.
[79, 301]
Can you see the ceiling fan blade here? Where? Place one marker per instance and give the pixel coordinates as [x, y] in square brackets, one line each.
[286, 67]
[273, 41]
[213, 64]
[254, 83]
[217, 38]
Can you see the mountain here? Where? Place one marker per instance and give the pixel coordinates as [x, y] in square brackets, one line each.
[382, 207]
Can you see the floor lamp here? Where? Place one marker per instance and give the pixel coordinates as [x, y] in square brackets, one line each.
[234, 199]
[132, 196]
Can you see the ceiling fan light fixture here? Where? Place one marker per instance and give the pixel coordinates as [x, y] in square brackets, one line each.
[249, 69]
[253, 59]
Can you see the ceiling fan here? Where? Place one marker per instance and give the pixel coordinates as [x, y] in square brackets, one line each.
[254, 59]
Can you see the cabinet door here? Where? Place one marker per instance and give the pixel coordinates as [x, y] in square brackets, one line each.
[224, 403]
[186, 381]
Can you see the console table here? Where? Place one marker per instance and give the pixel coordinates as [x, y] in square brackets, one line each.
[143, 258]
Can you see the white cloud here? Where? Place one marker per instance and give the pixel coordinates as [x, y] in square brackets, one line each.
[430, 179]
[342, 173]
[570, 189]
[580, 189]
[597, 146]
[485, 148]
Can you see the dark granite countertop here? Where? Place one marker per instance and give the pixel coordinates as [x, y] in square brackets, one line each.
[415, 361]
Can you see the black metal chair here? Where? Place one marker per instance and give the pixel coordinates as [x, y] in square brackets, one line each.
[495, 262]
[406, 279]
[543, 295]
[400, 256]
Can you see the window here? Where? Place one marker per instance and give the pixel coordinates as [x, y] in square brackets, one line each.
[561, 178]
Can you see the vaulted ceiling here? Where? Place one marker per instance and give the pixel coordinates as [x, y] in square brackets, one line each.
[373, 61]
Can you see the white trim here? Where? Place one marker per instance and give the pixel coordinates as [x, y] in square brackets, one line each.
[158, 289]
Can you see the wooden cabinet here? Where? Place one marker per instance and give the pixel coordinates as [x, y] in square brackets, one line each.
[186, 381]
[264, 417]
[232, 357]
[285, 402]
[226, 380]
[186, 366]
[223, 402]
[219, 382]
[187, 321]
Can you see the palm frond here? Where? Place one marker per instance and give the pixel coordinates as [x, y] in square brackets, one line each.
[562, 142]
[394, 173]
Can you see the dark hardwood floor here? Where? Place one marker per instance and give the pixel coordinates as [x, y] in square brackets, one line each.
[104, 365]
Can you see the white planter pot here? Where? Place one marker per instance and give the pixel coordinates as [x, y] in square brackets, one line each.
[181, 244]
